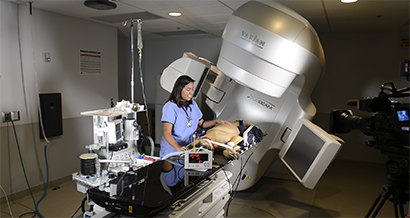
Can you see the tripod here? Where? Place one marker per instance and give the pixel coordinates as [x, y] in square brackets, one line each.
[398, 188]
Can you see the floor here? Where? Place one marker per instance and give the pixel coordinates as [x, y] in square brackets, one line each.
[347, 189]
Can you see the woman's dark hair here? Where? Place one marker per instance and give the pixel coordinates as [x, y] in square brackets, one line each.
[180, 83]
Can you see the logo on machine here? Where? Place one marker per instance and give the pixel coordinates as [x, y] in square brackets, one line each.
[253, 39]
[262, 102]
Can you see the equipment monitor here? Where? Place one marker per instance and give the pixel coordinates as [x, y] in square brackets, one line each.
[402, 115]
[308, 151]
[198, 160]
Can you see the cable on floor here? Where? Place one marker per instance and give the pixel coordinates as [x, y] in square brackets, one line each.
[82, 207]
[24, 170]
[48, 179]
[7, 200]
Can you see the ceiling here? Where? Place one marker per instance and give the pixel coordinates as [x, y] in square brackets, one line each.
[202, 18]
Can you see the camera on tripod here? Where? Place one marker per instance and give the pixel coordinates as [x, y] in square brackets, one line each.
[389, 128]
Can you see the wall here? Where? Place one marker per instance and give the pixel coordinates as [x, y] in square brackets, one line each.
[159, 54]
[124, 71]
[156, 55]
[62, 37]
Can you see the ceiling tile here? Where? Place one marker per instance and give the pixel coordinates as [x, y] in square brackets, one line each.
[212, 15]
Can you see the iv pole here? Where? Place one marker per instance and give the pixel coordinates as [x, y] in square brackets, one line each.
[139, 46]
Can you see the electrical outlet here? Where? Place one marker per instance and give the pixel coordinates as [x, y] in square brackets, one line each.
[15, 115]
[9, 116]
[6, 116]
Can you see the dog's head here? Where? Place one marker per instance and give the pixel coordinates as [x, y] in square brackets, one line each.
[201, 143]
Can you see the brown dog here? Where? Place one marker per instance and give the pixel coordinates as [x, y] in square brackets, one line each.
[225, 134]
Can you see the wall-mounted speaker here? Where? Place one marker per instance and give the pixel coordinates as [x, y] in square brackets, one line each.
[51, 114]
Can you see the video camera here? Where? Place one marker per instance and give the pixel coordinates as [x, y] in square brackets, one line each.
[389, 127]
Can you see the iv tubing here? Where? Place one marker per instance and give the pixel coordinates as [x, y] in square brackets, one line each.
[132, 62]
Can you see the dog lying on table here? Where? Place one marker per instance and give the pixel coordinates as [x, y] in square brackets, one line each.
[223, 137]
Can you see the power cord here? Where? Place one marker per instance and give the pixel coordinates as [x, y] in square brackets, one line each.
[7, 200]
[237, 180]
[75, 212]
[82, 207]
[227, 179]
[37, 212]
[24, 170]
[45, 191]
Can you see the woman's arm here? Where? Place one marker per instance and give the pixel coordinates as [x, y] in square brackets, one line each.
[168, 136]
[211, 123]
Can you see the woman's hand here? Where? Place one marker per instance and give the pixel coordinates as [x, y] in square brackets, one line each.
[183, 148]
[210, 123]
[219, 121]
[168, 136]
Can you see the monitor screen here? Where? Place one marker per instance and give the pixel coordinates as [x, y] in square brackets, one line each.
[198, 158]
[403, 115]
[302, 153]
[308, 152]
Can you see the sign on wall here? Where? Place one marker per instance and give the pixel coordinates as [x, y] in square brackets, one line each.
[90, 62]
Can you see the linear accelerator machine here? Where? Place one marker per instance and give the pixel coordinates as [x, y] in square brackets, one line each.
[270, 61]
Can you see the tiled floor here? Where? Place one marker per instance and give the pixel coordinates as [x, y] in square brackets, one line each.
[347, 189]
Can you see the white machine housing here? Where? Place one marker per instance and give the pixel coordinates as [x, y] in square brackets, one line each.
[270, 61]
[113, 126]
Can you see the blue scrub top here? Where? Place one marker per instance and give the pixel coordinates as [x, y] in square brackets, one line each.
[177, 116]
[174, 176]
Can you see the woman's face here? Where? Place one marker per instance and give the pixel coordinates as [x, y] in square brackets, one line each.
[187, 92]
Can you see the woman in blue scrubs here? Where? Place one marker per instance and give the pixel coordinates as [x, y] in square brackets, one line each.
[181, 117]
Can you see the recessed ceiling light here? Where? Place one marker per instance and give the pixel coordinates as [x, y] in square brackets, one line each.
[349, 1]
[174, 14]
